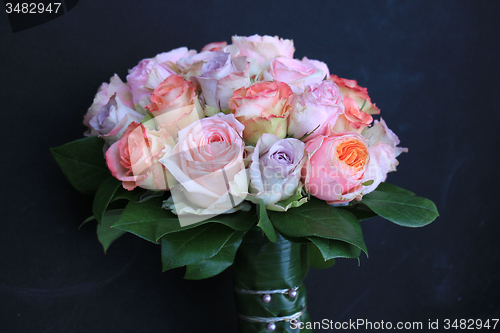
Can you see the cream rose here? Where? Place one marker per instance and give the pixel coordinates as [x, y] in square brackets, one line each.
[263, 48]
[207, 167]
[383, 150]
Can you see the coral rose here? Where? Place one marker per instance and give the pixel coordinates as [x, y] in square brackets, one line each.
[134, 159]
[262, 108]
[336, 166]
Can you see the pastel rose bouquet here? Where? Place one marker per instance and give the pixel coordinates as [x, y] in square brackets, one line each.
[212, 154]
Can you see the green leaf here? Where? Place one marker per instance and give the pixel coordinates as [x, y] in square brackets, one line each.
[103, 197]
[150, 195]
[193, 245]
[316, 258]
[265, 224]
[210, 111]
[149, 120]
[317, 218]
[332, 248]
[148, 220]
[239, 221]
[82, 162]
[295, 200]
[402, 209]
[218, 263]
[123, 194]
[309, 133]
[142, 218]
[387, 187]
[87, 220]
[363, 212]
[360, 210]
[105, 233]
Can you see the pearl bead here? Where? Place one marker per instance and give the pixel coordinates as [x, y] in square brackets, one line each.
[271, 326]
[266, 298]
[292, 293]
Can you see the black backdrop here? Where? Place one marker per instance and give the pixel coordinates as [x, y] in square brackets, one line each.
[431, 67]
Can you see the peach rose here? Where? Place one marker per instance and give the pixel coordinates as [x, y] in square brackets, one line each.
[134, 159]
[174, 105]
[173, 93]
[263, 48]
[207, 167]
[262, 108]
[351, 89]
[313, 110]
[336, 166]
[353, 118]
[296, 73]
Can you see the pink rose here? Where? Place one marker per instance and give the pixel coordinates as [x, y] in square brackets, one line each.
[215, 46]
[207, 167]
[220, 76]
[383, 150]
[263, 48]
[318, 64]
[353, 118]
[319, 105]
[106, 91]
[336, 167]
[275, 170]
[296, 73]
[174, 105]
[144, 77]
[351, 89]
[262, 108]
[134, 159]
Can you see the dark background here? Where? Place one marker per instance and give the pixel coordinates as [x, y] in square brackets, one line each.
[430, 66]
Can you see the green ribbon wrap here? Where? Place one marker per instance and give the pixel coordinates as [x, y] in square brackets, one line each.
[261, 265]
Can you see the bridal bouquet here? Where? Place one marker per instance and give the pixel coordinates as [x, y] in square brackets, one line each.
[241, 154]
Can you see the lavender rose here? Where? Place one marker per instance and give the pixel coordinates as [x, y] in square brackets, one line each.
[112, 120]
[275, 170]
[220, 76]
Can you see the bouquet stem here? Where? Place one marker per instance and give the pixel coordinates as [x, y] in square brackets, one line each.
[268, 288]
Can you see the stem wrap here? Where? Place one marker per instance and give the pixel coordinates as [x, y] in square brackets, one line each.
[262, 265]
